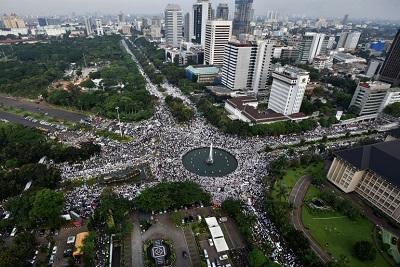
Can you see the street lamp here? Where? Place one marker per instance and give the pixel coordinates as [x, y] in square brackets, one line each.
[119, 121]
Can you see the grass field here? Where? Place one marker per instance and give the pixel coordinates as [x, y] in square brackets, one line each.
[337, 234]
[292, 176]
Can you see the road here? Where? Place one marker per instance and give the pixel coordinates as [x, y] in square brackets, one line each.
[296, 198]
[42, 108]
[137, 246]
[20, 120]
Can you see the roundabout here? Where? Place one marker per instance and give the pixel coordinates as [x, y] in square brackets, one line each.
[209, 161]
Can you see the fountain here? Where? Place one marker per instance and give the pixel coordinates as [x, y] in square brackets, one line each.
[210, 159]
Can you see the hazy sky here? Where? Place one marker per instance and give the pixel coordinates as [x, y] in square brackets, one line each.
[383, 9]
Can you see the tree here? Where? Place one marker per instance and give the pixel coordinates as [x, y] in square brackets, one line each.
[47, 207]
[89, 249]
[393, 110]
[364, 251]
[88, 84]
[257, 258]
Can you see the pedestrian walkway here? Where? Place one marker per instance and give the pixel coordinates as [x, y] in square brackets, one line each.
[192, 246]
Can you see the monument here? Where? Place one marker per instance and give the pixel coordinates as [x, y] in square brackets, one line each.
[210, 159]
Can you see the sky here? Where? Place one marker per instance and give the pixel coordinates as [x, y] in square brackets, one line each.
[375, 9]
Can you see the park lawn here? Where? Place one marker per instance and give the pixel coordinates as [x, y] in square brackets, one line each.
[293, 175]
[337, 233]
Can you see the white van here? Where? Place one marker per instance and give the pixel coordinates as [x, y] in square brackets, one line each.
[205, 254]
[208, 263]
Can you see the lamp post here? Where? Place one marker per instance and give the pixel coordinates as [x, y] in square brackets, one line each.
[119, 121]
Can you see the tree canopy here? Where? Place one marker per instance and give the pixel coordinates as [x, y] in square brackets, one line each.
[364, 251]
[393, 110]
[171, 195]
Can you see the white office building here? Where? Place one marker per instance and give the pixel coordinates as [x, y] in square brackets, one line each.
[312, 45]
[218, 34]
[287, 91]
[247, 65]
[99, 27]
[173, 25]
[392, 96]
[348, 40]
[369, 97]
[88, 26]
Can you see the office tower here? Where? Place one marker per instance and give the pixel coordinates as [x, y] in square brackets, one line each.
[99, 27]
[369, 97]
[331, 42]
[173, 25]
[13, 22]
[287, 91]
[243, 17]
[156, 21]
[218, 34]
[202, 12]
[247, 65]
[374, 67]
[392, 96]
[222, 12]
[348, 40]
[186, 27]
[390, 71]
[345, 19]
[121, 18]
[88, 26]
[313, 44]
[42, 22]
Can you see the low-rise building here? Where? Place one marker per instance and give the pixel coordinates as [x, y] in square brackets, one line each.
[202, 74]
[372, 172]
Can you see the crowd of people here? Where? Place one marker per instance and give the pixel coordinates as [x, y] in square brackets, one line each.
[161, 142]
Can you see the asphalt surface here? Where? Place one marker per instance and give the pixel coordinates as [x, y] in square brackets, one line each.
[296, 198]
[42, 108]
[137, 246]
[21, 120]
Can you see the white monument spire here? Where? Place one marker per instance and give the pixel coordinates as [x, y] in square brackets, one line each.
[210, 159]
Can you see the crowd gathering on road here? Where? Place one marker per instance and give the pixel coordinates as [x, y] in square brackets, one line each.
[160, 142]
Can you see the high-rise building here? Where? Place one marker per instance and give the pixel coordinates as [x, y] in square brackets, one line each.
[218, 34]
[287, 91]
[374, 67]
[243, 17]
[88, 26]
[13, 22]
[202, 12]
[392, 96]
[121, 18]
[99, 27]
[390, 71]
[247, 65]
[42, 22]
[345, 19]
[312, 45]
[173, 25]
[186, 28]
[369, 96]
[222, 12]
[348, 40]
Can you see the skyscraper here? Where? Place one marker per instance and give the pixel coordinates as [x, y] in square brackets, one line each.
[243, 17]
[313, 44]
[173, 25]
[99, 27]
[247, 65]
[13, 22]
[42, 22]
[202, 12]
[218, 34]
[88, 26]
[348, 40]
[390, 71]
[186, 28]
[287, 91]
[222, 12]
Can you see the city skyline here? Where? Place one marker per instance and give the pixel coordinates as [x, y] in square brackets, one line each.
[385, 9]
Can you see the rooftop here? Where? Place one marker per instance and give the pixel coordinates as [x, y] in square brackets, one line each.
[203, 70]
[382, 158]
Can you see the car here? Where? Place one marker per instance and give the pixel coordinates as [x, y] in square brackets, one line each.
[185, 254]
[13, 232]
[208, 263]
[210, 241]
[205, 254]
[51, 260]
[223, 257]
[67, 253]
[54, 250]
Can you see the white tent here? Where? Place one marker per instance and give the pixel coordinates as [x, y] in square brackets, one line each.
[220, 244]
[216, 232]
[211, 221]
